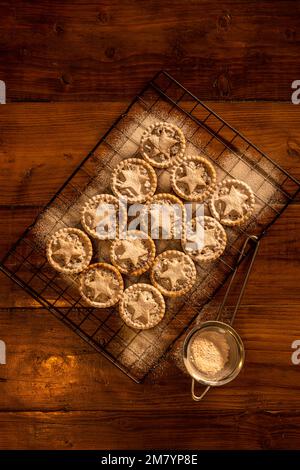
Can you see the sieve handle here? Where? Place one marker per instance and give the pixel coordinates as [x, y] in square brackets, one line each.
[242, 253]
[198, 397]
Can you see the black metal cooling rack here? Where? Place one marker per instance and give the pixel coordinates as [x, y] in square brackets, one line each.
[163, 99]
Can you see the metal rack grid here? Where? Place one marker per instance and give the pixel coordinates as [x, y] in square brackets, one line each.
[163, 99]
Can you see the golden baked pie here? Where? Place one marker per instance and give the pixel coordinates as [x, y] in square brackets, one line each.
[133, 254]
[232, 202]
[101, 285]
[205, 239]
[142, 306]
[193, 179]
[164, 217]
[69, 250]
[173, 273]
[101, 216]
[134, 179]
[162, 144]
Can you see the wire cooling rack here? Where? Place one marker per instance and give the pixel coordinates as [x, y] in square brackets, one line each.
[163, 99]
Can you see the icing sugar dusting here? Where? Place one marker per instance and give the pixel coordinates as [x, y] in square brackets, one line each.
[140, 351]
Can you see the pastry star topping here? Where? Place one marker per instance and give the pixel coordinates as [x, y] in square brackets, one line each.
[68, 249]
[104, 218]
[142, 307]
[101, 216]
[207, 241]
[133, 250]
[162, 143]
[195, 239]
[210, 237]
[134, 180]
[100, 285]
[234, 201]
[161, 216]
[193, 178]
[174, 272]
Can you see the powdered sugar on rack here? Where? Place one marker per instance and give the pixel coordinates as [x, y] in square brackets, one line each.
[137, 352]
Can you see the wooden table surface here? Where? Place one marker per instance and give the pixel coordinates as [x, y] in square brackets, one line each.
[85, 61]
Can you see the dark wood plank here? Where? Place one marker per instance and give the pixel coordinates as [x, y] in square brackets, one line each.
[55, 391]
[91, 51]
[59, 372]
[58, 393]
[164, 430]
[42, 143]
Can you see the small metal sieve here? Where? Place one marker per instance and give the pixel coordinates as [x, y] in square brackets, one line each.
[236, 351]
[232, 367]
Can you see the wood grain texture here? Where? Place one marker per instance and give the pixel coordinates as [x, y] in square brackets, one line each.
[59, 372]
[58, 51]
[38, 153]
[56, 392]
[142, 430]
